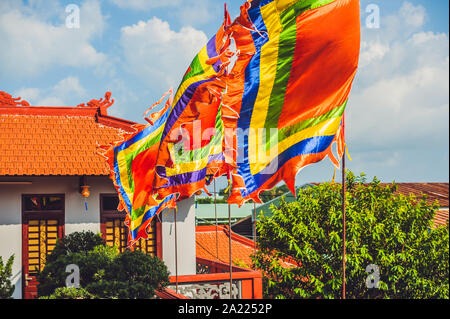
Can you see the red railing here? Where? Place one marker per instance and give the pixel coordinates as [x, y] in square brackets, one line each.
[250, 280]
[168, 293]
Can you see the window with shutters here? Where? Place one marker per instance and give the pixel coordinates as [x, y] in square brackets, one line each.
[114, 230]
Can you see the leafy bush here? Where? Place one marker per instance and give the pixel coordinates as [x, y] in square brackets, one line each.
[84, 249]
[393, 232]
[133, 274]
[240, 263]
[74, 243]
[6, 288]
[210, 200]
[69, 293]
[104, 272]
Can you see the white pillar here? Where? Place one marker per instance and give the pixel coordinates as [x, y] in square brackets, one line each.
[185, 235]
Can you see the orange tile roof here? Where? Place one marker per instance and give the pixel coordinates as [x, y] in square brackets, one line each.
[56, 140]
[434, 191]
[241, 248]
[441, 218]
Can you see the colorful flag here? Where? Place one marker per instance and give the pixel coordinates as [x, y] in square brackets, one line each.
[191, 142]
[132, 166]
[296, 89]
[258, 114]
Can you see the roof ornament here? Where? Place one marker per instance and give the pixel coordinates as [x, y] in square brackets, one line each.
[8, 100]
[102, 104]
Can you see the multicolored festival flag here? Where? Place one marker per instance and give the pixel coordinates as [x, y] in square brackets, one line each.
[132, 170]
[147, 169]
[296, 89]
[191, 142]
[264, 98]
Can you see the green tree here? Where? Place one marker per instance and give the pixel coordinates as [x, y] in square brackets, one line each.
[84, 249]
[104, 273]
[393, 232]
[274, 193]
[69, 293]
[205, 200]
[6, 287]
[132, 275]
[74, 243]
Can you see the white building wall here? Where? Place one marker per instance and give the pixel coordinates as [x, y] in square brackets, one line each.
[78, 219]
[76, 216]
[186, 256]
[11, 244]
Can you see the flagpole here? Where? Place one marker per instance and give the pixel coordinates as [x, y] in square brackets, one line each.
[343, 225]
[343, 212]
[176, 251]
[229, 244]
[215, 214]
[254, 223]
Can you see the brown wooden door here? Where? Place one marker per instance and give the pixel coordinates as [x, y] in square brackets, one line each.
[42, 225]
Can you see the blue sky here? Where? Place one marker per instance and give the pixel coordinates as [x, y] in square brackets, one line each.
[397, 118]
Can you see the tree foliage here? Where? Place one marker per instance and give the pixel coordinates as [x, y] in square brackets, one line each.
[69, 293]
[6, 287]
[210, 200]
[131, 275]
[75, 243]
[392, 231]
[268, 195]
[265, 196]
[104, 273]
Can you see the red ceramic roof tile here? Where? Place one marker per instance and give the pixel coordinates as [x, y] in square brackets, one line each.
[241, 247]
[55, 140]
[434, 191]
[441, 218]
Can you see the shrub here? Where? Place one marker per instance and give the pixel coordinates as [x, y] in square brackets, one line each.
[104, 273]
[133, 274]
[74, 243]
[69, 293]
[84, 249]
[6, 288]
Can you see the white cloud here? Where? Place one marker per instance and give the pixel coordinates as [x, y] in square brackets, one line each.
[372, 51]
[28, 94]
[158, 54]
[32, 44]
[187, 12]
[400, 100]
[69, 85]
[413, 15]
[57, 95]
[144, 4]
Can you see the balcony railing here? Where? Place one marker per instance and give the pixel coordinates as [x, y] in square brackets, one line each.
[212, 281]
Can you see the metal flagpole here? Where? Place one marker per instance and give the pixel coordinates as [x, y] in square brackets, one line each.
[229, 244]
[254, 223]
[176, 251]
[215, 214]
[343, 211]
[343, 225]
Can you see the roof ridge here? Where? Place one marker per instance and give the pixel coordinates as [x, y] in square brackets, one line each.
[71, 134]
[67, 112]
